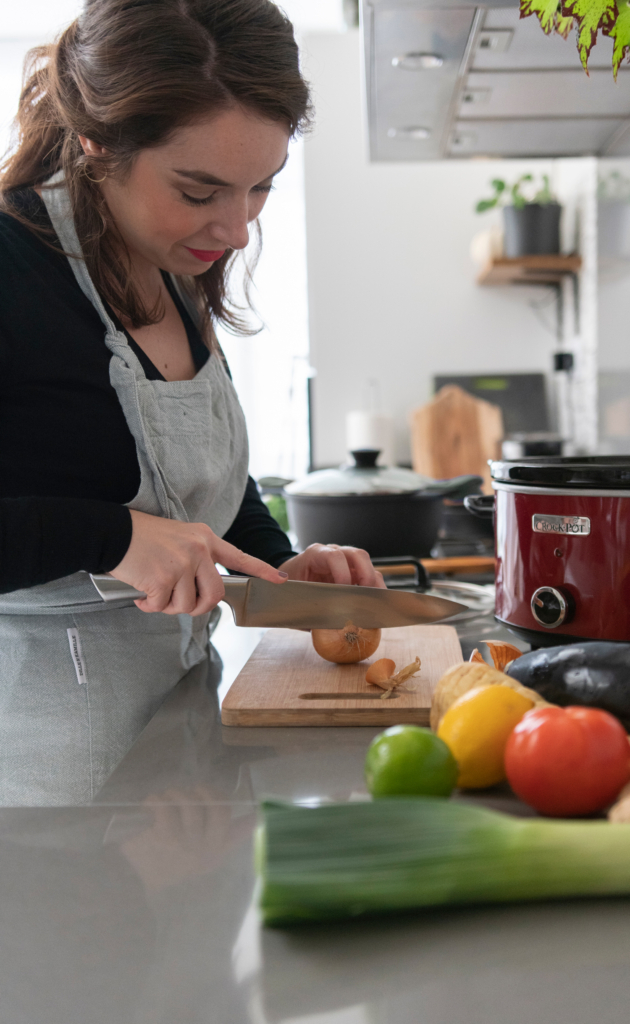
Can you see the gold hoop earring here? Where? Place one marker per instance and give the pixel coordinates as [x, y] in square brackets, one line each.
[96, 181]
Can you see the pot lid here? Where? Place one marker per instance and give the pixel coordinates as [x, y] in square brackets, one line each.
[363, 477]
[609, 472]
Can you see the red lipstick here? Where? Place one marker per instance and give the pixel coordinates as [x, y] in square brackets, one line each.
[206, 255]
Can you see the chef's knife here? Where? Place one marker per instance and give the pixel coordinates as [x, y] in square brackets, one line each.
[298, 605]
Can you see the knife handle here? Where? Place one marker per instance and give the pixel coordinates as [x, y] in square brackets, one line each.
[111, 589]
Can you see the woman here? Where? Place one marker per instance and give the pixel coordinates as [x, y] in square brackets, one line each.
[149, 137]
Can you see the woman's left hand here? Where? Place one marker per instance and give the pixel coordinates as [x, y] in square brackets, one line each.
[329, 563]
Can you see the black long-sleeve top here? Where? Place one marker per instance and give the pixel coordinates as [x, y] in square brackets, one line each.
[68, 460]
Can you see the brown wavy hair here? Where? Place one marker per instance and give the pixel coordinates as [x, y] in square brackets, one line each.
[127, 74]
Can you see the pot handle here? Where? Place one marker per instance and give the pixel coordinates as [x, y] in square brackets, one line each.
[404, 562]
[455, 487]
[480, 505]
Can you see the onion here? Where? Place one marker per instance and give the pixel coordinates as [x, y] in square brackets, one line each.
[352, 643]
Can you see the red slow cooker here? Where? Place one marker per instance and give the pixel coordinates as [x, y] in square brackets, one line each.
[562, 530]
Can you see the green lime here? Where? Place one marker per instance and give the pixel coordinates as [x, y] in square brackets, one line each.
[409, 761]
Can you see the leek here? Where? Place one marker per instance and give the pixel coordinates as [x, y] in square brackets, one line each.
[345, 860]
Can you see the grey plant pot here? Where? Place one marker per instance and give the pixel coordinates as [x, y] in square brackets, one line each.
[532, 230]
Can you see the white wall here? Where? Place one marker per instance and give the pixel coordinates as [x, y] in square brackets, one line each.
[614, 289]
[614, 321]
[23, 25]
[270, 369]
[392, 293]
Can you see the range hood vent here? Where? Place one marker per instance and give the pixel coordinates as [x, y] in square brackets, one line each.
[446, 79]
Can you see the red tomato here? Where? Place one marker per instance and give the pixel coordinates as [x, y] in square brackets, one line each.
[567, 761]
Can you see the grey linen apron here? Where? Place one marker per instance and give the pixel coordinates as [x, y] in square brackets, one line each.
[80, 679]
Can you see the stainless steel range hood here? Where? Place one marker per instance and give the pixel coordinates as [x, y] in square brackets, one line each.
[446, 79]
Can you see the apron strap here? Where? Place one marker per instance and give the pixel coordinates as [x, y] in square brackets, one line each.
[57, 202]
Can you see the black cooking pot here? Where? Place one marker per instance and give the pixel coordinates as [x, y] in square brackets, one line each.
[387, 510]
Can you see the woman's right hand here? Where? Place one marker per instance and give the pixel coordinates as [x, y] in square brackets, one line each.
[174, 564]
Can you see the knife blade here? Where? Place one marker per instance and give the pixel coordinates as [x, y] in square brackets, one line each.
[300, 605]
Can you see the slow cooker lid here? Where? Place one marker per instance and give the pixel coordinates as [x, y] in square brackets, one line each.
[610, 472]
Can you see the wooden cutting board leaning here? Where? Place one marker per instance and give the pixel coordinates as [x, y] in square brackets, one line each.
[286, 683]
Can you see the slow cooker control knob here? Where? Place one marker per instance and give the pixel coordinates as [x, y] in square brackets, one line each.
[550, 607]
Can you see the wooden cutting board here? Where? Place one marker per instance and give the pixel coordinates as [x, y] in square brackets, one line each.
[456, 433]
[286, 683]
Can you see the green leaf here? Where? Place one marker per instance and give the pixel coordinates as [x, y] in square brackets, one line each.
[591, 16]
[485, 204]
[545, 195]
[278, 508]
[498, 184]
[545, 11]
[620, 32]
[563, 26]
[549, 14]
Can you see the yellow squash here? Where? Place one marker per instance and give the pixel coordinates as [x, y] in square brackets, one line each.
[466, 676]
[476, 729]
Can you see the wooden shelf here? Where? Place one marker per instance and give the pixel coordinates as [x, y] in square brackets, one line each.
[529, 270]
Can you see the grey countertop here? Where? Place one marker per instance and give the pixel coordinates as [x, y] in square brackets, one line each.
[140, 908]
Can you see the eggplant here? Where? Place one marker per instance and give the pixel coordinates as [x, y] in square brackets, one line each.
[592, 675]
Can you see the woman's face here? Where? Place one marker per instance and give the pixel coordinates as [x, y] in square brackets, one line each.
[184, 203]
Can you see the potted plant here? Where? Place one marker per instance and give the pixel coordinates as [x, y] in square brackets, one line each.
[531, 226]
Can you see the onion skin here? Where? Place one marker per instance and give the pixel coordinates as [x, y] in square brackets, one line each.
[381, 671]
[347, 645]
